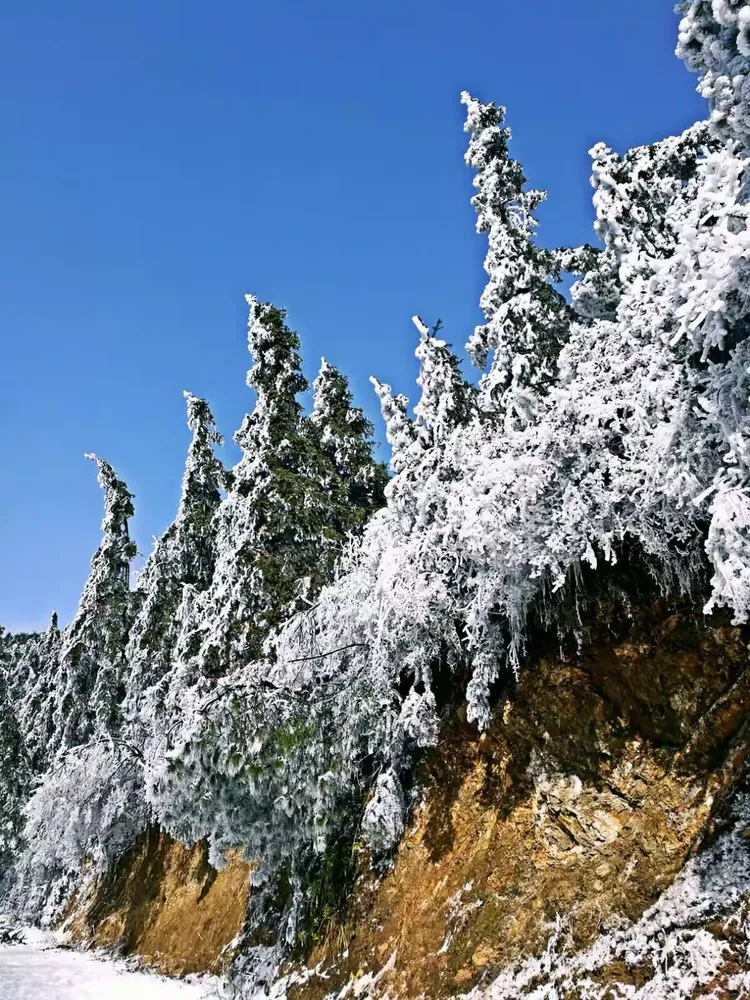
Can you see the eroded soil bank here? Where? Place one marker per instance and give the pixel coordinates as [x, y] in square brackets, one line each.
[606, 770]
[164, 903]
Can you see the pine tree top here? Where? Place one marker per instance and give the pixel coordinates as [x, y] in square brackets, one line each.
[268, 435]
[399, 427]
[527, 319]
[204, 476]
[118, 500]
[447, 399]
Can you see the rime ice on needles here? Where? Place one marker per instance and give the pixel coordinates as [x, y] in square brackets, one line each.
[352, 480]
[527, 318]
[183, 557]
[399, 429]
[15, 782]
[447, 400]
[92, 658]
[714, 41]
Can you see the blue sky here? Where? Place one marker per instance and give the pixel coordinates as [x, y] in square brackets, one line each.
[163, 157]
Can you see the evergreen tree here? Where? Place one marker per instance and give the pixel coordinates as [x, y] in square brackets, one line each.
[352, 480]
[271, 529]
[20, 654]
[399, 428]
[203, 482]
[15, 782]
[527, 318]
[447, 400]
[277, 477]
[301, 488]
[633, 195]
[714, 40]
[35, 710]
[184, 556]
[92, 657]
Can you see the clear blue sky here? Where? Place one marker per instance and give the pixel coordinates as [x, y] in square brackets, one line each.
[163, 157]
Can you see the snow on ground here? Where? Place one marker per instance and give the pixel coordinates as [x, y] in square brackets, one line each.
[30, 973]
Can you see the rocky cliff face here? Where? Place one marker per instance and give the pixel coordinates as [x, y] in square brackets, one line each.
[591, 844]
[603, 775]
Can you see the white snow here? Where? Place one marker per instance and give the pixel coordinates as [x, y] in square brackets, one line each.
[28, 973]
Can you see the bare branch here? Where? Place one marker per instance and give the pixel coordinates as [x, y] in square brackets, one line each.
[332, 652]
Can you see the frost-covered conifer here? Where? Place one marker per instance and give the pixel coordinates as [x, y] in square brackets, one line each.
[447, 400]
[301, 486]
[183, 557]
[203, 482]
[447, 403]
[270, 524]
[346, 440]
[399, 428]
[527, 319]
[92, 657]
[714, 40]
[20, 656]
[353, 482]
[35, 705]
[633, 195]
[15, 783]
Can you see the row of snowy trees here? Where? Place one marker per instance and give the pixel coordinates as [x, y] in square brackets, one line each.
[272, 676]
[96, 707]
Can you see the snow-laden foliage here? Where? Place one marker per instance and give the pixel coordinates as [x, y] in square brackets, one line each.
[353, 483]
[300, 486]
[243, 751]
[714, 40]
[266, 768]
[527, 318]
[32, 664]
[284, 656]
[384, 818]
[92, 664]
[181, 564]
[15, 779]
[86, 813]
[637, 441]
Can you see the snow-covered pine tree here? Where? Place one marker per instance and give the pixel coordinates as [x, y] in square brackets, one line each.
[527, 319]
[633, 195]
[15, 783]
[35, 705]
[254, 762]
[184, 556]
[92, 657]
[272, 521]
[714, 40]
[270, 526]
[353, 481]
[203, 482]
[399, 428]
[20, 660]
[447, 400]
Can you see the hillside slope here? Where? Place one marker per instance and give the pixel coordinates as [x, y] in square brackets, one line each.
[605, 772]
